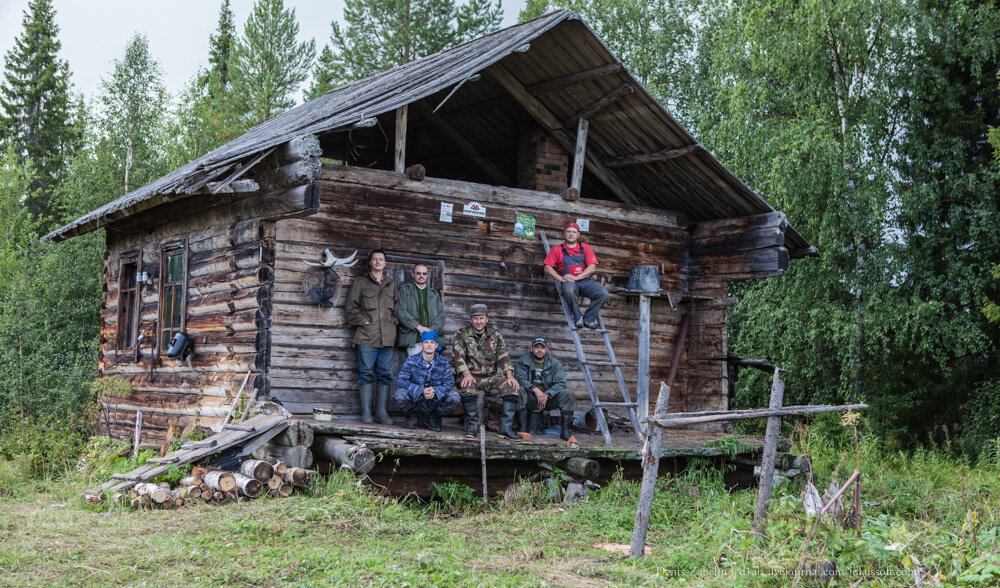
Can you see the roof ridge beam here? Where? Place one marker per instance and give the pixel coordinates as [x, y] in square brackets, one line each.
[553, 125]
[574, 78]
[653, 156]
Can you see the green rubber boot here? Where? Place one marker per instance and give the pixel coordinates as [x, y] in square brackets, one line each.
[366, 391]
[471, 416]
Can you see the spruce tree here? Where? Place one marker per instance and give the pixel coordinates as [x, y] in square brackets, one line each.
[268, 63]
[324, 79]
[34, 100]
[381, 34]
[221, 45]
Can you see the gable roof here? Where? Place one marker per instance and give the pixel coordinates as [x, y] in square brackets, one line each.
[627, 133]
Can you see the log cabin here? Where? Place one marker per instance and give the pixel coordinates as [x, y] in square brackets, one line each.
[434, 161]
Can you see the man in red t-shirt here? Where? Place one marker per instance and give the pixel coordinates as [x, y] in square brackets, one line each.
[571, 264]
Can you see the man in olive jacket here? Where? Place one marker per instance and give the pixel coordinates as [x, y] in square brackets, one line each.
[420, 310]
[543, 387]
[371, 307]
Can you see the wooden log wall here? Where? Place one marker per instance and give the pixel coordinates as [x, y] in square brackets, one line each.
[313, 363]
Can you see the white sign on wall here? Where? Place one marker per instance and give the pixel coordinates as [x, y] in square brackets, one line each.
[446, 208]
[474, 209]
[584, 224]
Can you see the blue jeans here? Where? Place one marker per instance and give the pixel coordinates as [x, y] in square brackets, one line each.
[374, 364]
[573, 291]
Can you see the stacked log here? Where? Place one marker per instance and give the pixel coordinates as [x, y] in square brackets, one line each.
[356, 459]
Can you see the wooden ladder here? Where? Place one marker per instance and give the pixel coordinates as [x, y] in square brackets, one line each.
[585, 364]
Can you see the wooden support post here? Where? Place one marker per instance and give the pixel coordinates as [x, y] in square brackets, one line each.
[642, 385]
[580, 154]
[767, 461]
[401, 139]
[650, 470]
[138, 433]
[481, 407]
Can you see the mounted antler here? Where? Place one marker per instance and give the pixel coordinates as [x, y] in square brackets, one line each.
[330, 261]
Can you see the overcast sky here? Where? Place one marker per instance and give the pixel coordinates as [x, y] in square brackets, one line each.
[95, 32]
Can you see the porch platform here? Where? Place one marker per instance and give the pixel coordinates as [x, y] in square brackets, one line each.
[413, 459]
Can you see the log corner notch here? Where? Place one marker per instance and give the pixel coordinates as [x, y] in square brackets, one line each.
[295, 163]
[741, 248]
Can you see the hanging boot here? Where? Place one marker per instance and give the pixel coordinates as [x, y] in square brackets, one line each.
[433, 421]
[506, 430]
[471, 416]
[565, 418]
[381, 399]
[366, 391]
[535, 423]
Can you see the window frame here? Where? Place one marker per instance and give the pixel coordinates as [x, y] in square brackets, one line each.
[135, 305]
[165, 331]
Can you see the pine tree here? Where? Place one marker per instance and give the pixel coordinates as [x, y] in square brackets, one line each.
[323, 76]
[381, 34]
[268, 63]
[221, 46]
[34, 97]
[131, 123]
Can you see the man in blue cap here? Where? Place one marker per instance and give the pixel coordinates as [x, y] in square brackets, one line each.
[424, 385]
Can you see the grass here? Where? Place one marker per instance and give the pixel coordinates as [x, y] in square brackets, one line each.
[926, 511]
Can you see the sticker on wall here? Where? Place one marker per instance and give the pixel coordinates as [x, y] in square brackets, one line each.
[446, 208]
[584, 224]
[474, 209]
[524, 225]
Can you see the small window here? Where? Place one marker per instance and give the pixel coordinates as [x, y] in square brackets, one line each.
[128, 305]
[171, 296]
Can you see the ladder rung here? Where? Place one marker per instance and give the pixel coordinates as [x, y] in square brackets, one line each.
[633, 404]
[591, 330]
[611, 363]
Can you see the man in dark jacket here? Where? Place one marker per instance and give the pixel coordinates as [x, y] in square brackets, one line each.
[420, 310]
[371, 307]
[543, 387]
[424, 385]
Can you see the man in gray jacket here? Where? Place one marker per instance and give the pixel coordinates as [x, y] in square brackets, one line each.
[543, 387]
[420, 309]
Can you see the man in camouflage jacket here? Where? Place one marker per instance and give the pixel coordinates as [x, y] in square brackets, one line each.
[482, 364]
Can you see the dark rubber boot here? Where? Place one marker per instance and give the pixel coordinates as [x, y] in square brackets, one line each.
[471, 416]
[522, 421]
[411, 420]
[381, 399]
[535, 423]
[506, 430]
[565, 418]
[366, 391]
[433, 421]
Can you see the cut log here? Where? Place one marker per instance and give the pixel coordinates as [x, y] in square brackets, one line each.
[280, 467]
[257, 469]
[348, 456]
[298, 456]
[193, 492]
[189, 481]
[297, 476]
[285, 489]
[297, 433]
[221, 481]
[152, 491]
[582, 467]
[250, 487]
[275, 481]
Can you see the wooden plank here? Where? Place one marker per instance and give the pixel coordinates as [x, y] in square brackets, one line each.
[400, 159]
[600, 104]
[574, 78]
[652, 156]
[642, 384]
[579, 154]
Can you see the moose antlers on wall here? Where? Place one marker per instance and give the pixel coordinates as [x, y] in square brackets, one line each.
[323, 286]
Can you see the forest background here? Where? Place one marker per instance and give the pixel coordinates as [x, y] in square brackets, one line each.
[868, 123]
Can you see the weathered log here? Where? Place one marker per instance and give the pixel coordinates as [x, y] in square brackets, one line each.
[688, 418]
[194, 492]
[280, 467]
[285, 489]
[221, 481]
[257, 469]
[296, 476]
[188, 481]
[650, 471]
[297, 433]
[298, 456]
[152, 491]
[293, 174]
[348, 456]
[767, 460]
[299, 148]
[275, 481]
[249, 486]
[582, 467]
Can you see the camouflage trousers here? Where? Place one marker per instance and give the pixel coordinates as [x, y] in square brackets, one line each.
[491, 385]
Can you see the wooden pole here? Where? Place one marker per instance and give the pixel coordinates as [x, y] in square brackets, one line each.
[579, 154]
[401, 139]
[481, 407]
[138, 433]
[650, 471]
[690, 418]
[767, 461]
[642, 386]
[239, 393]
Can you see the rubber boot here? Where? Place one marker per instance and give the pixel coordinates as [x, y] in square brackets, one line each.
[535, 423]
[433, 421]
[565, 418]
[411, 420]
[381, 399]
[506, 430]
[522, 421]
[366, 391]
[471, 416]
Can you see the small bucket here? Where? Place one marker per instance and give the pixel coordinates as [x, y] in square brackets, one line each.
[586, 422]
[644, 278]
[320, 414]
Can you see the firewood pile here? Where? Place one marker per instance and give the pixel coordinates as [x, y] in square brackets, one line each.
[255, 478]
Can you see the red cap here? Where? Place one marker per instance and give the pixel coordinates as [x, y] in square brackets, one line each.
[572, 226]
